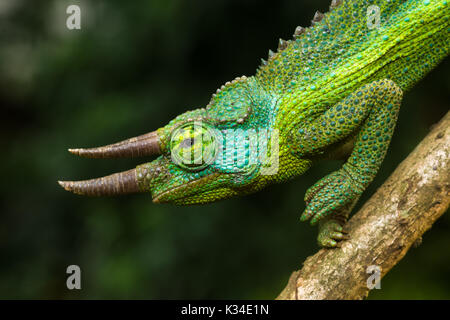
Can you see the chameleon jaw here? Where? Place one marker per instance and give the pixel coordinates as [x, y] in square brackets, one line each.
[179, 193]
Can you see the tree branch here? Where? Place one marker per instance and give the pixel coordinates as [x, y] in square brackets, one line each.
[381, 233]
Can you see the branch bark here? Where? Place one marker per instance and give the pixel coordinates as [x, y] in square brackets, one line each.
[396, 216]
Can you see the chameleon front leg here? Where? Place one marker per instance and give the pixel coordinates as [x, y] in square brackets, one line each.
[370, 113]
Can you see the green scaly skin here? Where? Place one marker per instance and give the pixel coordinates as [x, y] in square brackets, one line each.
[338, 83]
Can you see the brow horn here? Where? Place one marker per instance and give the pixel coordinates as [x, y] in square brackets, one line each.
[144, 145]
[115, 184]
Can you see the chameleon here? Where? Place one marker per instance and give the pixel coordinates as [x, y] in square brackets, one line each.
[331, 92]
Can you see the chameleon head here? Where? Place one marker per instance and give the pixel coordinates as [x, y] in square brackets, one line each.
[191, 168]
[198, 161]
[228, 148]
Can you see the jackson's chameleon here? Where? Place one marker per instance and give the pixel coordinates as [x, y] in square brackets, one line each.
[335, 89]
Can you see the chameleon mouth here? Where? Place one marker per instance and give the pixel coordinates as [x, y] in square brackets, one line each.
[179, 192]
[118, 183]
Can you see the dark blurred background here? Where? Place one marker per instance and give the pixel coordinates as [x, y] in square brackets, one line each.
[132, 67]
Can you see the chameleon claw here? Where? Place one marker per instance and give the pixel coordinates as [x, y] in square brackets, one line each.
[312, 191]
[331, 234]
[330, 243]
[306, 215]
[329, 195]
[339, 236]
[321, 214]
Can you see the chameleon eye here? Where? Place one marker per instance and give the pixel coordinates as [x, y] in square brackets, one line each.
[193, 146]
[187, 143]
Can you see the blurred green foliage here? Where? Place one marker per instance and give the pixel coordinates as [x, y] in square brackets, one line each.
[132, 67]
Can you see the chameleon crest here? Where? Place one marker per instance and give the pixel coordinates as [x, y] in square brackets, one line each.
[231, 104]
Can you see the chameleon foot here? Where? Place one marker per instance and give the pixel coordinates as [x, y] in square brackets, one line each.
[331, 194]
[331, 233]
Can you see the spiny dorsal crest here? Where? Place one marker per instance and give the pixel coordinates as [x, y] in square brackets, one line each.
[333, 38]
[282, 44]
[317, 18]
[334, 4]
[299, 31]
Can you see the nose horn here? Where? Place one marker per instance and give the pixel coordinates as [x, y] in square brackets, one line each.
[115, 184]
[144, 145]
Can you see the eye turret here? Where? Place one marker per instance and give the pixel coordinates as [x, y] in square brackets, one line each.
[194, 146]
